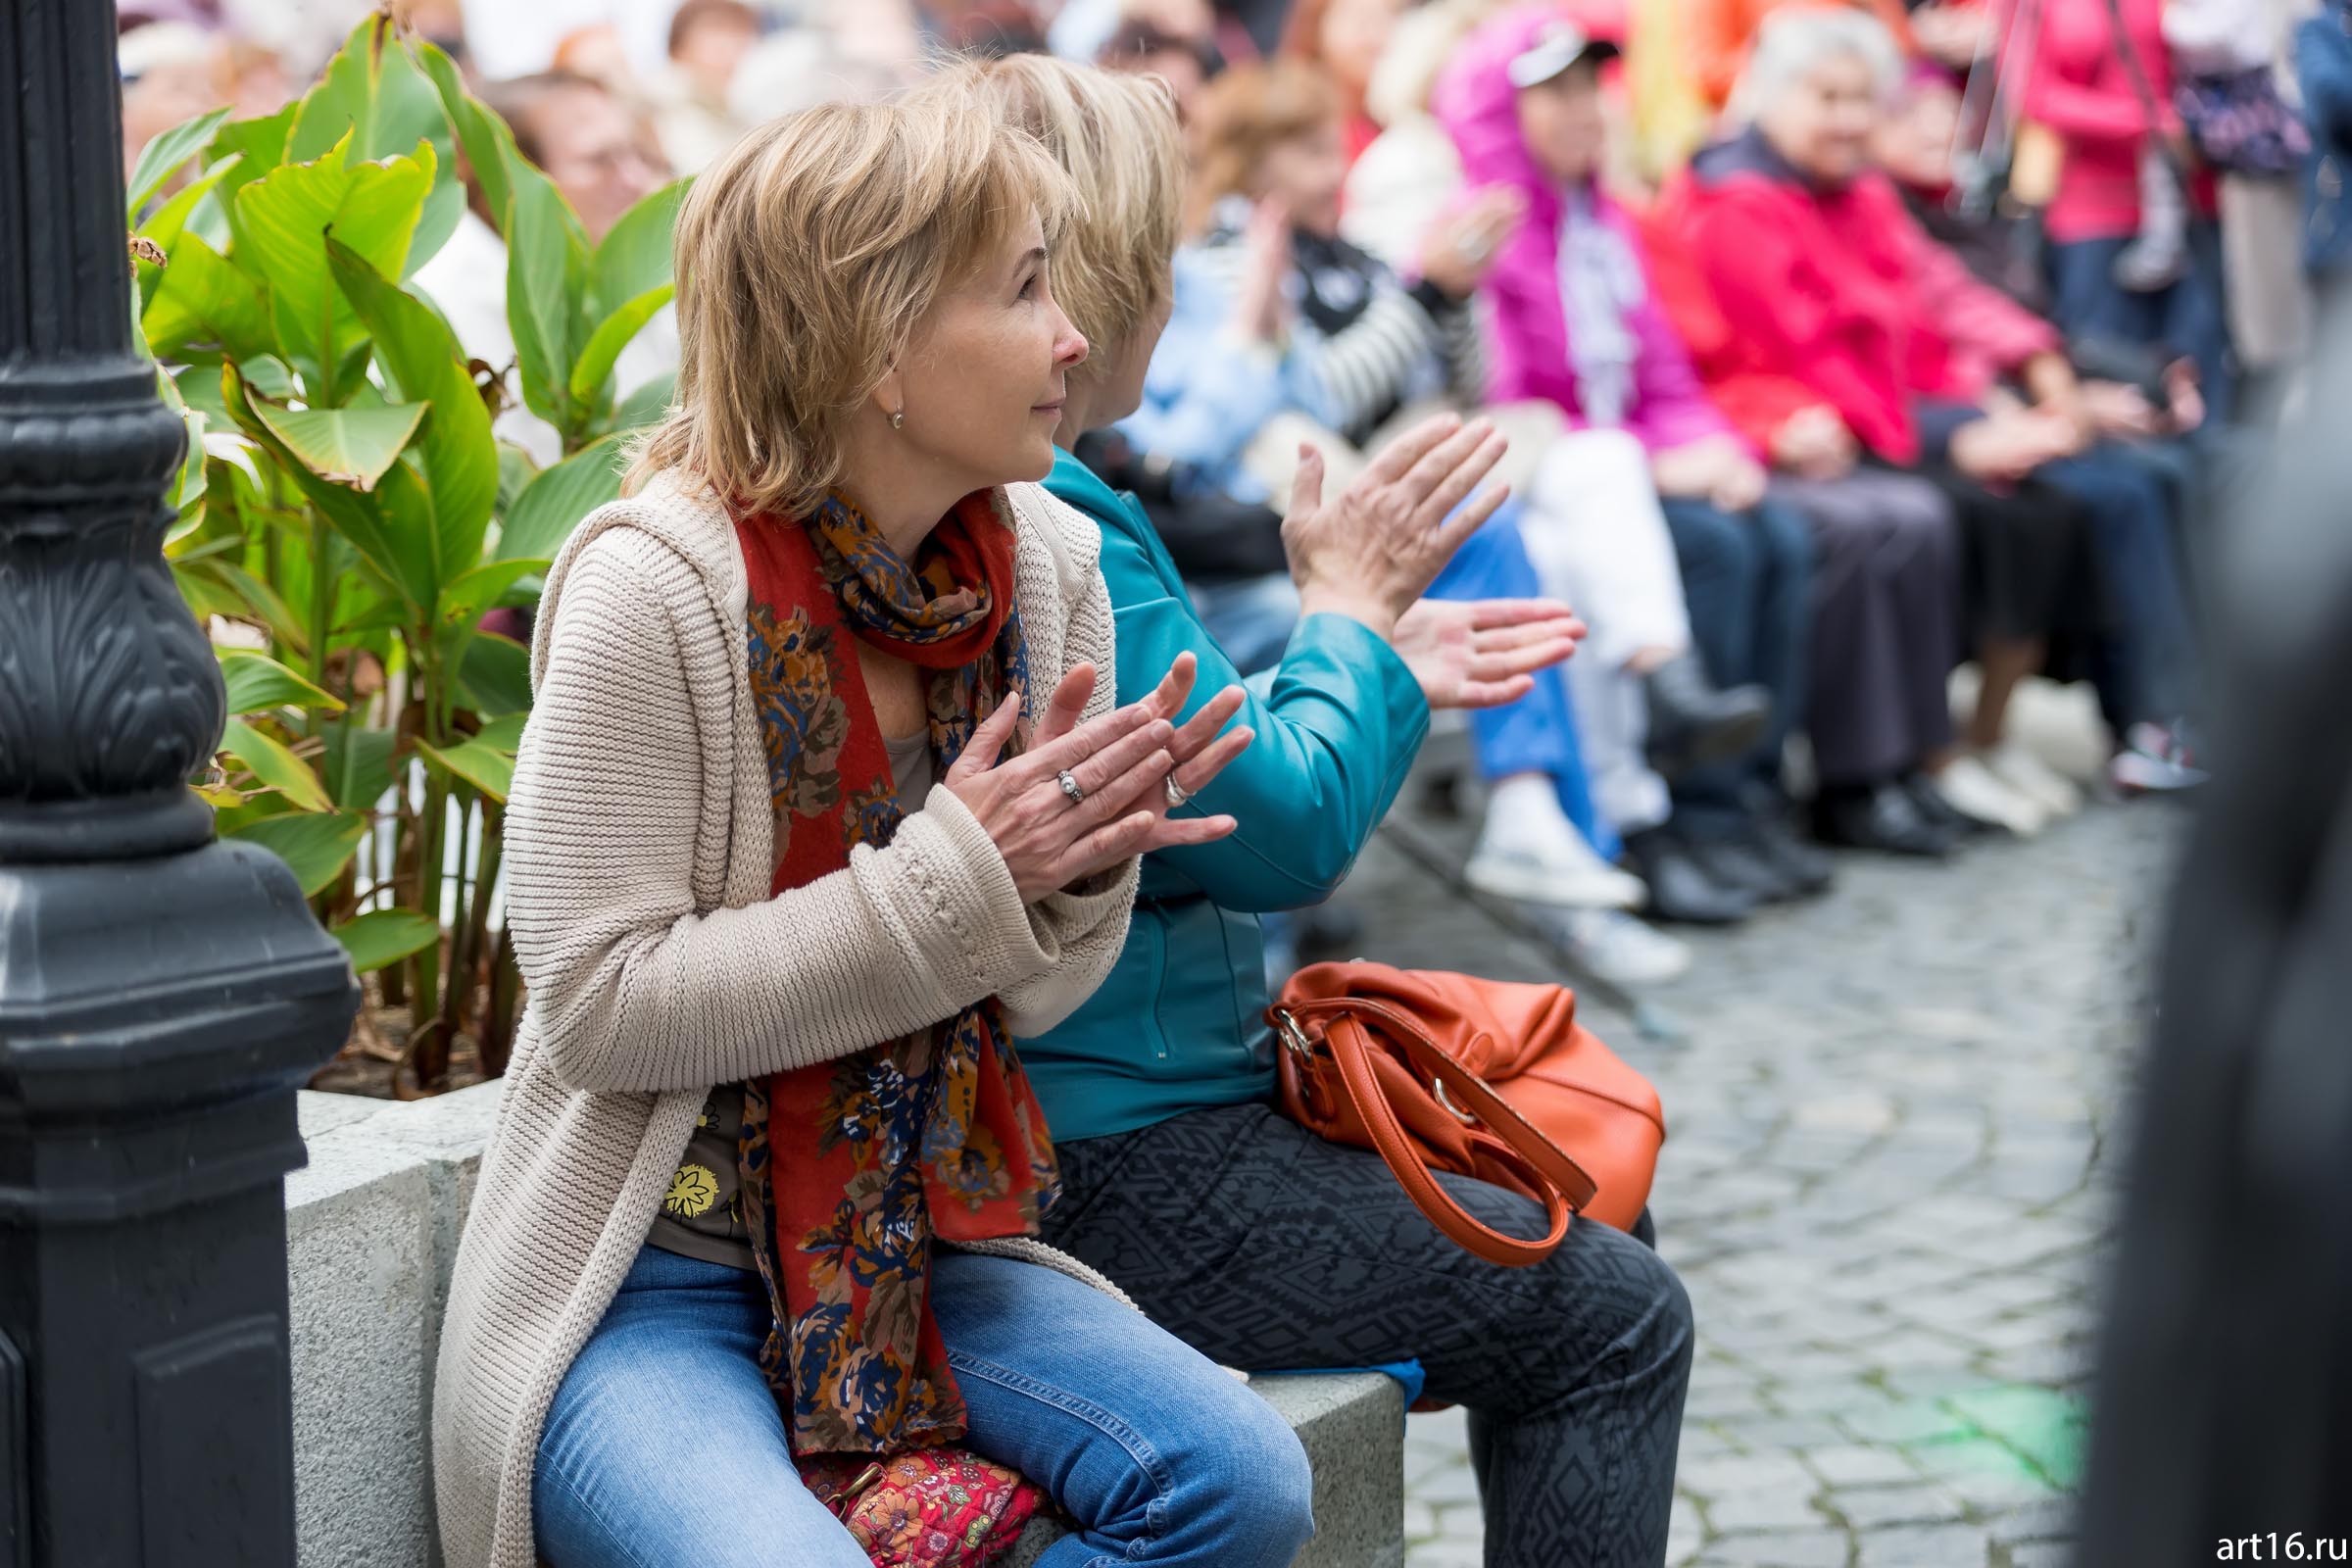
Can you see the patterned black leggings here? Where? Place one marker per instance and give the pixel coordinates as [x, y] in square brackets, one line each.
[1266, 1247]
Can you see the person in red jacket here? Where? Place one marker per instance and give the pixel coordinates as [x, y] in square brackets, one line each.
[1886, 580]
[1827, 283]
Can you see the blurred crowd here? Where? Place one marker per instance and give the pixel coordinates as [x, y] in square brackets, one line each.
[1839, 347]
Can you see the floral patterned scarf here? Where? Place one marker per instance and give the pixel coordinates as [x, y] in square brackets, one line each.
[855, 1168]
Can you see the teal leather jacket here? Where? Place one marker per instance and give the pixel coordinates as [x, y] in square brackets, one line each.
[1179, 1025]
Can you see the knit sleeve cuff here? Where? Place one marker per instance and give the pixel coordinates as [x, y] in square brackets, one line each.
[956, 897]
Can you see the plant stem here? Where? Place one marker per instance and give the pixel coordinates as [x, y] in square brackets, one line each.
[458, 989]
[424, 1003]
[473, 933]
[322, 605]
[497, 1036]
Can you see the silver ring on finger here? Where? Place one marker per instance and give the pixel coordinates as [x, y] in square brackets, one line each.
[1069, 787]
[1177, 793]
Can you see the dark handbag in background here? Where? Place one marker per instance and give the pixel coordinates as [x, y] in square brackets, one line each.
[2239, 122]
[2099, 356]
[1436, 1071]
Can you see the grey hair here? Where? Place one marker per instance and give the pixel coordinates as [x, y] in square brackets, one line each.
[1795, 40]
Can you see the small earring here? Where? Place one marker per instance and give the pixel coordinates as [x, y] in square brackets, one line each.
[898, 418]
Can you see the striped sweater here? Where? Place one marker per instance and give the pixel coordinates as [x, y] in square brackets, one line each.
[1362, 345]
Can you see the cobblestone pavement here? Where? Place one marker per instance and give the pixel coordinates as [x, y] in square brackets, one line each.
[1892, 1113]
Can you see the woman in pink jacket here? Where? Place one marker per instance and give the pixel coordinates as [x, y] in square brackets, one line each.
[1576, 321]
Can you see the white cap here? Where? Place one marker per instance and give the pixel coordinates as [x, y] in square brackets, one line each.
[1558, 46]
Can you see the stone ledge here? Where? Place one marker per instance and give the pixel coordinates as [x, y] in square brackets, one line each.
[372, 1228]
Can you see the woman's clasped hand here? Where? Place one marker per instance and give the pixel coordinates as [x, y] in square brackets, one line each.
[1118, 765]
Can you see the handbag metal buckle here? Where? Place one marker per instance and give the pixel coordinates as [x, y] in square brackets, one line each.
[1438, 1087]
[1293, 1039]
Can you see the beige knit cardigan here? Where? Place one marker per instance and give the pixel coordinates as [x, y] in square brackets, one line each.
[638, 841]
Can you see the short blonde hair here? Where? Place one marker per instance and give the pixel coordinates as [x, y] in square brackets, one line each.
[807, 255]
[1117, 136]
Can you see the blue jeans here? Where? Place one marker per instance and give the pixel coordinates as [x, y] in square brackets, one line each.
[1250, 618]
[2148, 653]
[664, 1445]
[2186, 318]
[1747, 578]
[1536, 734]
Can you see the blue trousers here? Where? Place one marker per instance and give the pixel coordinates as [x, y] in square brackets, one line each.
[1747, 579]
[2147, 664]
[2189, 318]
[1536, 734]
[1252, 618]
[664, 1444]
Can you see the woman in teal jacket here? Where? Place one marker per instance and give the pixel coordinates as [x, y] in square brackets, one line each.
[1256, 1240]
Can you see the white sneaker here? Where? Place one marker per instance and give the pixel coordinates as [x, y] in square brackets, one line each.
[2154, 759]
[1620, 948]
[1971, 789]
[2036, 780]
[1533, 854]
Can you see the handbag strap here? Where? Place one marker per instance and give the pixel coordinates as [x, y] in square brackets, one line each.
[1479, 1098]
[2146, 91]
[1519, 1148]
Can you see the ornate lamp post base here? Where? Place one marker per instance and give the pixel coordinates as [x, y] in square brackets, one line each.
[161, 995]
[155, 1016]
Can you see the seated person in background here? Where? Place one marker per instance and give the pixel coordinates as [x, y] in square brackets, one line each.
[1576, 325]
[1835, 289]
[2134, 409]
[1145, 48]
[692, 114]
[1917, 129]
[1410, 177]
[1256, 1239]
[591, 145]
[1529, 750]
[1886, 582]
[1342, 41]
[1280, 325]
[1284, 334]
[1717, 36]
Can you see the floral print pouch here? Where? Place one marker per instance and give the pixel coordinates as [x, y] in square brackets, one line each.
[931, 1508]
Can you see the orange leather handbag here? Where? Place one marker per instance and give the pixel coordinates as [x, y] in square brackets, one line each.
[1486, 1078]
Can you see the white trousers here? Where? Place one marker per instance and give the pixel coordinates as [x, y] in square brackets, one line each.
[1597, 539]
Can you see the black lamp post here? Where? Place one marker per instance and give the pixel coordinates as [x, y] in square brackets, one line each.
[162, 994]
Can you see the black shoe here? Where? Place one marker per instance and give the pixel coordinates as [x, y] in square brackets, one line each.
[1939, 811]
[1680, 888]
[1883, 816]
[1804, 869]
[1693, 724]
[1736, 859]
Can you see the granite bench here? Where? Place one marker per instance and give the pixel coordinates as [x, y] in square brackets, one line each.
[372, 1228]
